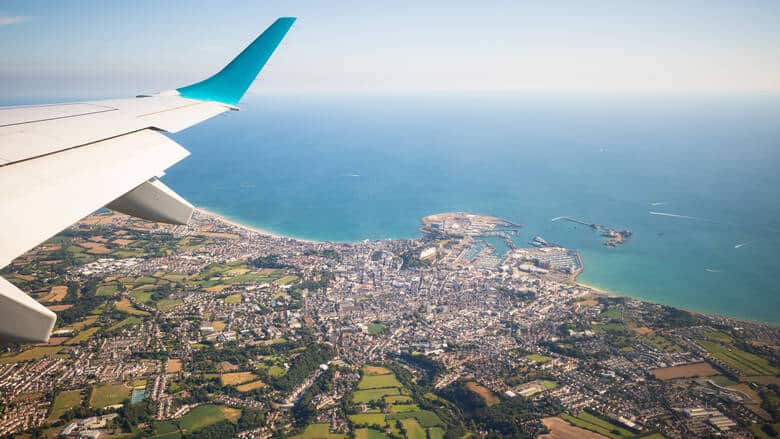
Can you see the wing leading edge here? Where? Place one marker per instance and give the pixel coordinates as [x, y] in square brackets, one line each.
[59, 163]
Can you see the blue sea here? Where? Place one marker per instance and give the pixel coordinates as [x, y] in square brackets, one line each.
[352, 168]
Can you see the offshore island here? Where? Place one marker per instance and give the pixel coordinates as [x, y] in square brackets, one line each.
[219, 330]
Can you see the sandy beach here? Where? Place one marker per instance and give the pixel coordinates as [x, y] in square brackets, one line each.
[258, 230]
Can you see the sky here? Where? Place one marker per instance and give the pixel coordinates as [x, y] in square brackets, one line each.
[90, 49]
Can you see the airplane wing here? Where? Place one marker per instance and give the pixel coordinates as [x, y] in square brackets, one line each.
[59, 163]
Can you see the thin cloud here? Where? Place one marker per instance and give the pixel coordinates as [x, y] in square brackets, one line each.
[6, 20]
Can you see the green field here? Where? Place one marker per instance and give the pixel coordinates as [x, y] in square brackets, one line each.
[318, 431]
[760, 434]
[369, 419]
[146, 280]
[205, 415]
[368, 433]
[426, 418]
[538, 358]
[286, 280]
[64, 402]
[747, 363]
[108, 394]
[373, 394]
[413, 429]
[589, 422]
[396, 399]
[31, 354]
[106, 290]
[142, 296]
[436, 433]
[130, 321]
[376, 328]
[722, 381]
[167, 304]
[613, 313]
[402, 408]
[166, 430]
[276, 371]
[548, 384]
[83, 335]
[659, 342]
[378, 381]
[718, 336]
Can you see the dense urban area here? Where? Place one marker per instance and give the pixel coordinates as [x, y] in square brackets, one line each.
[215, 330]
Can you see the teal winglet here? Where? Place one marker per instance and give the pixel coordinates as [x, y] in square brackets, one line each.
[230, 83]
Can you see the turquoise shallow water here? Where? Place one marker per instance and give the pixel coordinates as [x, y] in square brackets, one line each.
[347, 169]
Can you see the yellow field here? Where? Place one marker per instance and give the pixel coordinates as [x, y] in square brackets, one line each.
[56, 294]
[58, 308]
[90, 320]
[684, 371]
[560, 429]
[125, 305]
[286, 280]
[83, 335]
[218, 325]
[226, 366]
[173, 365]
[32, 354]
[233, 298]
[250, 386]
[375, 370]
[219, 235]
[233, 378]
[216, 288]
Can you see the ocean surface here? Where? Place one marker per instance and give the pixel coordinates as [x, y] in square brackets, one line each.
[353, 168]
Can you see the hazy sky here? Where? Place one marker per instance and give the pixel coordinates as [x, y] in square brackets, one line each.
[112, 48]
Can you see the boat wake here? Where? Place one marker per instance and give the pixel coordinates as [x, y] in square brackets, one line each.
[742, 244]
[712, 270]
[674, 215]
[659, 203]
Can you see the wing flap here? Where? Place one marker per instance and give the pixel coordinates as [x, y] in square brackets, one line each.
[154, 201]
[24, 319]
[44, 195]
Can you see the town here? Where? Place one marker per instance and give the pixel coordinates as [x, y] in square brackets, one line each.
[217, 330]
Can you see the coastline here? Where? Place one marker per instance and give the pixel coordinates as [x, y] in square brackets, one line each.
[253, 229]
[595, 290]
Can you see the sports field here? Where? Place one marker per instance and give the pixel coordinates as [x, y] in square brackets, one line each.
[378, 381]
[108, 394]
[234, 378]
